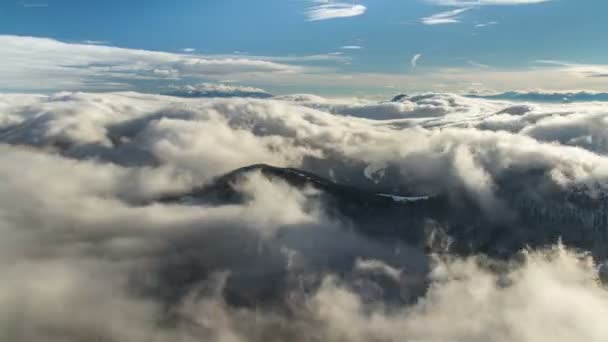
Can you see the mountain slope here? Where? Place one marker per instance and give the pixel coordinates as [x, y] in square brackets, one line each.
[433, 222]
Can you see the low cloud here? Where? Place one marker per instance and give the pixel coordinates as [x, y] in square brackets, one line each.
[289, 129]
[90, 253]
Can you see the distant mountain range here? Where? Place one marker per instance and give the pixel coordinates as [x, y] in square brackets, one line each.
[546, 96]
[218, 90]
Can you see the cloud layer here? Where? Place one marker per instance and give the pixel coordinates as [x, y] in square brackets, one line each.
[69, 66]
[26, 60]
[89, 254]
[217, 90]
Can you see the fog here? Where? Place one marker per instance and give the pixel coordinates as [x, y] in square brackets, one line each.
[90, 253]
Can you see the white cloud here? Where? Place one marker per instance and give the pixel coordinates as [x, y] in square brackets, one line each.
[217, 90]
[489, 23]
[96, 42]
[468, 303]
[351, 47]
[65, 66]
[414, 60]
[451, 17]
[188, 50]
[447, 17]
[477, 64]
[585, 70]
[485, 2]
[291, 131]
[78, 230]
[78, 172]
[28, 4]
[331, 10]
[26, 60]
[449, 79]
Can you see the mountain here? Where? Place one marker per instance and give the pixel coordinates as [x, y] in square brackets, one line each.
[399, 98]
[440, 222]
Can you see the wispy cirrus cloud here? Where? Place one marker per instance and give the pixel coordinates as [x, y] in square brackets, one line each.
[95, 42]
[451, 17]
[414, 60]
[484, 2]
[477, 64]
[489, 23]
[447, 17]
[28, 4]
[325, 10]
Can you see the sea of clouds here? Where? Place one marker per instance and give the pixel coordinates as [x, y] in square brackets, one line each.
[88, 254]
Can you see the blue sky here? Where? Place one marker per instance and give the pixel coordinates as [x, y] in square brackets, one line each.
[462, 45]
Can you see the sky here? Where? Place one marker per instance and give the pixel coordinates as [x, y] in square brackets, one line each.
[352, 47]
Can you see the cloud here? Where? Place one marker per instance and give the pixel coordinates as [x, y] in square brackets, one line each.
[217, 90]
[489, 23]
[549, 96]
[477, 64]
[80, 175]
[585, 70]
[326, 10]
[447, 17]
[67, 66]
[459, 3]
[188, 50]
[487, 316]
[449, 79]
[452, 16]
[351, 47]
[96, 42]
[172, 131]
[414, 60]
[28, 4]
[81, 66]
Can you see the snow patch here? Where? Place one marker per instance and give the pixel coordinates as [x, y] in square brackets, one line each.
[405, 199]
